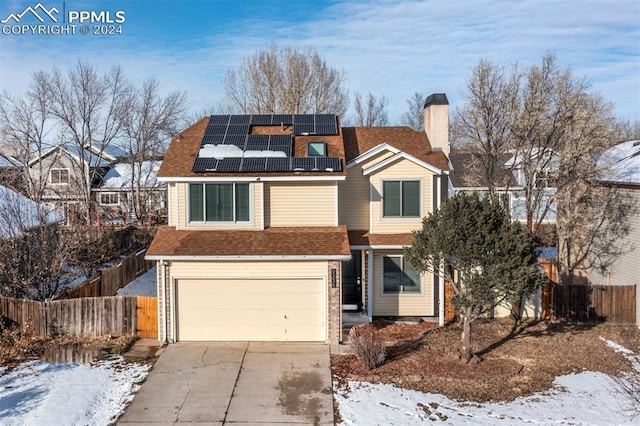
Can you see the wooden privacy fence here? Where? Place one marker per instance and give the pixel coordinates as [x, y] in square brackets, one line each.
[590, 303]
[108, 281]
[85, 317]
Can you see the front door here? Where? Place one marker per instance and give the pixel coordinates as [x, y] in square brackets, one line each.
[352, 282]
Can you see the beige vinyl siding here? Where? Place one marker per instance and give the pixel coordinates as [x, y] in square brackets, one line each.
[300, 204]
[354, 199]
[380, 157]
[172, 204]
[400, 304]
[182, 201]
[399, 170]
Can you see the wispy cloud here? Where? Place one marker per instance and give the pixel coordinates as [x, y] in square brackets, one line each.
[393, 48]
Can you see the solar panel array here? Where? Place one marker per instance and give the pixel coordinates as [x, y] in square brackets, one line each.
[268, 164]
[265, 153]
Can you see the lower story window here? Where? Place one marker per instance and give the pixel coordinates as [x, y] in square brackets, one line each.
[399, 276]
[219, 202]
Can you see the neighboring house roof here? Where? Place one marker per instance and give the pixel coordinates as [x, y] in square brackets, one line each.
[19, 213]
[8, 162]
[308, 243]
[109, 152]
[88, 155]
[120, 176]
[464, 174]
[365, 239]
[622, 162]
[358, 140]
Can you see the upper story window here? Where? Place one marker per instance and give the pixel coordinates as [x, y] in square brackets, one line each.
[109, 198]
[59, 176]
[316, 149]
[219, 202]
[399, 276]
[401, 198]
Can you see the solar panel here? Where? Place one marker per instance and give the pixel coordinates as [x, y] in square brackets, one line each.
[254, 165]
[201, 165]
[281, 139]
[278, 119]
[324, 118]
[257, 145]
[212, 139]
[229, 165]
[238, 129]
[324, 163]
[277, 164]
[281, 147]
[237, 140]
[303, 119]
[262, 140]
[301, 129]
[216, 129]
[326, 129]
[303, 164]
[261, 120]
[219, 119]
[240, 119]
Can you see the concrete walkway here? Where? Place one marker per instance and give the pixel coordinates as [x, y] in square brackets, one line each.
[236, 383]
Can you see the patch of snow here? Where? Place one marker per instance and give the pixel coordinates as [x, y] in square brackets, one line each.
[547, 252]
[220, 152]
[622, 163]
[39, 393]
[121, 176]
[19, 213]
[144, 285]
[587, 398]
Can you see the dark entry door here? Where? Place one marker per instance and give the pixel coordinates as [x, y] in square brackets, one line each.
[352, 282]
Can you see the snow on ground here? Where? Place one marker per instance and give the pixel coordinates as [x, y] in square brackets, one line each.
[144, 285]
[587, 398]
[42, 393]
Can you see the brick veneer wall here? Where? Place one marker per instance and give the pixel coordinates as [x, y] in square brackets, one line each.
[334, 310]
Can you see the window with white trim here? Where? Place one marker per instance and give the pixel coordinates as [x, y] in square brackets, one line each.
[59, 176]
[219, 202]
[399, 277]
[109, 199]
[401, 198]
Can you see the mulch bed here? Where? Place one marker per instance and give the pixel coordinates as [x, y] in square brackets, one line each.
[512, 364]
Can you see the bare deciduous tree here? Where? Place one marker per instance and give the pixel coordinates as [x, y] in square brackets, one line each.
[148, 120]
[26, 129]
[87, 105]
[414, 116]
[286, 81]
[370, 112]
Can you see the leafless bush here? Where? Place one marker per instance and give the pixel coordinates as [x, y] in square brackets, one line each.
[628, 386]
[367, 345]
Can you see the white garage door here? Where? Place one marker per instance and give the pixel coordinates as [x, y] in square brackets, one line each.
[250, 309]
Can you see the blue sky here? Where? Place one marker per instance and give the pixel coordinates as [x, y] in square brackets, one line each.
[391, 48]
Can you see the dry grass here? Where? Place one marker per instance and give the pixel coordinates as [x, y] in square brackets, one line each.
[545, 350]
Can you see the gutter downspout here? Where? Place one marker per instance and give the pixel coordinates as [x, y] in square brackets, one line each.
[163, 278]
[370, 284]
[441, 296]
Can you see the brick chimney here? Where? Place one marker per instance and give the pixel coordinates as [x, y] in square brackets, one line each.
[436, 121]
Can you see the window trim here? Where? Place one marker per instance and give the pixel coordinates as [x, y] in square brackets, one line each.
[401, 217]
[110, 193]
[219, 222]
[384, 293]
[59, 169]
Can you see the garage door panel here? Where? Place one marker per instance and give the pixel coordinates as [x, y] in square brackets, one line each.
[256, 309]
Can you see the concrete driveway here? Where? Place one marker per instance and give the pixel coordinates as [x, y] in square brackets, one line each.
[236, 383]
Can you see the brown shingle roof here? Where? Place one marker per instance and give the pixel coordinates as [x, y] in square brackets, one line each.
[358, 140]
[327, 241]
[364, 238]
[184, 147]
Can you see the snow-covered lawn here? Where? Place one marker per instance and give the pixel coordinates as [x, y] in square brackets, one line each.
[587, 398]
[41, 393]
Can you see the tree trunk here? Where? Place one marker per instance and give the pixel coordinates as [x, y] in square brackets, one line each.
[466, 334]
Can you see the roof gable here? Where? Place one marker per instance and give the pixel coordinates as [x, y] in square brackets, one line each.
[400, 156]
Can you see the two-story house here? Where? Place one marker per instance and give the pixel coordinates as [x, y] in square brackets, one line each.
[277, 223]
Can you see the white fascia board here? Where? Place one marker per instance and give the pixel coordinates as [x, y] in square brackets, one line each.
[247, 258]
[252, 179]
[378, 247]
[399, 156]
[371, 153]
